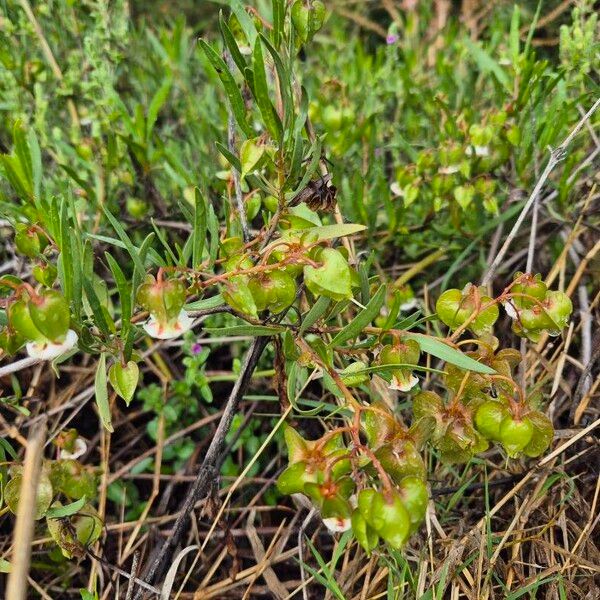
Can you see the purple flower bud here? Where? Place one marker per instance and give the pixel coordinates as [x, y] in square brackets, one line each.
[196, 348]
[391, 39]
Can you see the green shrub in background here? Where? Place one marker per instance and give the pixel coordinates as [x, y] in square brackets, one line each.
[150, 178]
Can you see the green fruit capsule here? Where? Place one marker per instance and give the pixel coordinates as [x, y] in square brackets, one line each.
[274, 291]
[271, 203]
[10, 340]
[294, 478]
[392, 518]
[307, 20]
[50, 314]
[162, 299]
[364, 504]
[413, 492]
[20, 321]
[365, 535]
[137, 208]
[28, 240]
[489, 417]
[526, 284]
[237, 294]
[45, 274]
[543, 433]
[515, 435]
[332, 279]
[559, 307]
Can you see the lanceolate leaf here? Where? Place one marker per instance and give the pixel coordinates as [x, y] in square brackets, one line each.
[231, 87]
[448, 354]
[315, 313]
[362, 319]
[261, 93]
[252, 330]
[101, 390]
[59, 512]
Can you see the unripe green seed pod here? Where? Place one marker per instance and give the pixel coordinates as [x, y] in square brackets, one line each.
[488, 419]
[51, 315]
[515, 435]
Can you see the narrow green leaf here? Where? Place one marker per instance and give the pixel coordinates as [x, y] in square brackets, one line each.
[278, 20]
[101, 390]
[233, 92]
[139, 265]
[284, 83]
[205, 303]
[232, 159]
[199, 232]
[514, 35]
[251, 330]
[261, 94]
[100, 315]
[362, 319]
[231, 44]
[36, 162]
[157, 102]
[448, 354]
[328, 232]
[315, 154]
[125, 296]
[244, 19]
[486, 63]
[315, 313]
[58, 512]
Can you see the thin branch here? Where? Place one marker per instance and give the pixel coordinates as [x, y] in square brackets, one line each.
[23, 531]
[556, 156]
[18, 365]
[208, 473]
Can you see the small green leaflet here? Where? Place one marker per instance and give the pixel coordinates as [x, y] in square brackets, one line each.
[59, 512]
[362, 319]
[101, 389]
[448, 354]
[253, 330]
[315, 313]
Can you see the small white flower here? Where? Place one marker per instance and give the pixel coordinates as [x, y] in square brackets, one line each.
[408, 305]
[510, 309]
[449, 169]
[405, 384]
[165, 331]
[337, 524]
[479, 151]
[396, 189]
[79, 450]
[49, 350]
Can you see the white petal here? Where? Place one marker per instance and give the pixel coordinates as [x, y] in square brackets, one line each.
[404, 386]
[79, 450]
[337, 524]
[162, 331]
[408, 304]
[510, 309]
[396, 189]
[449, 169]
[49, 350]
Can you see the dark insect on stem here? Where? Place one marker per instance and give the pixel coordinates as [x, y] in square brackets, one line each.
[319, 195]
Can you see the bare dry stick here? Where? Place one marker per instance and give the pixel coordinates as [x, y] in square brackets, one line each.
[18, 365]
[208, 472]
[23, 533]
[556, 155]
